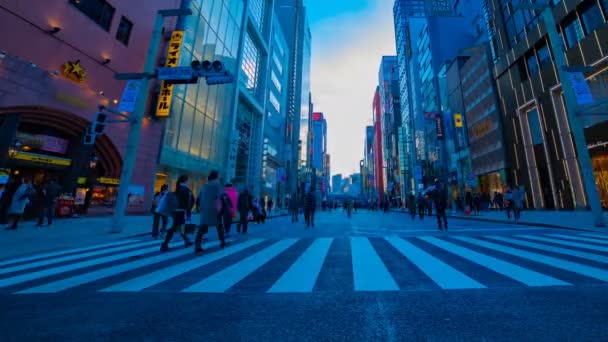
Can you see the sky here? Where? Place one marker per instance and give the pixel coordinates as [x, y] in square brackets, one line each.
[349, 38]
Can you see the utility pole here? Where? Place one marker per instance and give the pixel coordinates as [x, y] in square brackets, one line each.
[572, 110]
[137, 117]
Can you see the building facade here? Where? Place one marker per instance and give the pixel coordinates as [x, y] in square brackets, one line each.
[47, 100]
[379, 165]
[539, 145]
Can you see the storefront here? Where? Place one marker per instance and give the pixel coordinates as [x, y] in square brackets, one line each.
[490, 183]
[597, 143]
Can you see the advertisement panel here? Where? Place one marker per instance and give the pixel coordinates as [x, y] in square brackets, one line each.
[163, 108]
[43, 142]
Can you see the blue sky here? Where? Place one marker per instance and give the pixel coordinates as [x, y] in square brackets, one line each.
[349, 38]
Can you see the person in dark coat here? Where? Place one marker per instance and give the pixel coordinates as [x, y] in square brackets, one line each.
[411, 203]
[244, 205]
[440, 199]
[183, 197]
[50, 192]
[294, 207]
[310, 205]
[421, 205]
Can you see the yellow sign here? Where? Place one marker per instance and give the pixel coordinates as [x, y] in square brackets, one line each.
[458, 120]
[163, 108]
[74, 71]
[40, 158]
[109, 181]
[82, 180]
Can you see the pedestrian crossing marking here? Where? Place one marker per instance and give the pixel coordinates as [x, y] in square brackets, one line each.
[302, 275]
[157, 277]
[67, 283]
[72, 257]
[441, 273]
[515, 272]
[585, 270]
[63, 252]
[225, 279]
[598, 236]
[548, 248]
[71, 267]
[572, 237]
[370, 273]
[566, 243]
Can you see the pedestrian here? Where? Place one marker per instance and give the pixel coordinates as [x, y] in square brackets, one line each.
[508, 202]
[411, 203]
[231, 195]
[19, 201]
[51, 191]
[159, 215]
[440, 201]
[182, 199]
[213, 209]
[518, 203]
[421, 205]
[477, 203]
[294, 208]
[310, 204]
[270, 205]
[244, 206]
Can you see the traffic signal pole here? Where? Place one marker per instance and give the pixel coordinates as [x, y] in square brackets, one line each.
[130, 155]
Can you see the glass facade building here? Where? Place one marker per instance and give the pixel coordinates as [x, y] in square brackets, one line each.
[197, 131]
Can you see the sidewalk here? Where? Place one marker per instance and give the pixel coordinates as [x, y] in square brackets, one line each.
[577, 220]
[73, 232]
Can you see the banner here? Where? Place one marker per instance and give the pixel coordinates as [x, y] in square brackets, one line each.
[163, 108]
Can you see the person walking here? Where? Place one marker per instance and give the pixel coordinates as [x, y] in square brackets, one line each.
[421, 206]
[213, 209]
[411, 203]
[310, 204]
[51, 191]
[440, 201]
[518, 203]
[183, 198]
[231, 201]
[294, 208]
[159, 215]
[244, 205]
[270, 206]
[19, 201]
[508, 202]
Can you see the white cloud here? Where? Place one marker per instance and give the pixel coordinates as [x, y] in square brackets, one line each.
[347, 51]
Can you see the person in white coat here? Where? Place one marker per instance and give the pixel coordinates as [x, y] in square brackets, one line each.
[20, 200]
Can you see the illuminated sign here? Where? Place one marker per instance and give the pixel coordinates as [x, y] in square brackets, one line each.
[108, 181]
[40, 158]
[458, 120]
[163, 108]
[317, 116]
[43, 142]
[74, 71]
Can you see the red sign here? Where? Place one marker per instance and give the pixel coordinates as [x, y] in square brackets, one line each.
[317, 116]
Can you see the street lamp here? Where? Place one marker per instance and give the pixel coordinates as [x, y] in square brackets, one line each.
[572, 109]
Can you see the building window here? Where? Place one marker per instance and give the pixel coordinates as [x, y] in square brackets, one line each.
[605, 6]
[258, 9]
[521, 65]
[275, 102]
[592, 17]
[544, 56]
[251, 63]
[573, 31]
[532, 64]
[275, 81]
[124, 30]
[100, 11]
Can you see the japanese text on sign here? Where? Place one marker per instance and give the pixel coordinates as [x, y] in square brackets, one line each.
[163, 107]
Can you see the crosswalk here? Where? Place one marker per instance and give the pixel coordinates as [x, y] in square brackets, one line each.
[294, 265]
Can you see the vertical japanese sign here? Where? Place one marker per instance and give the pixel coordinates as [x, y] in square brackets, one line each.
[163, 108]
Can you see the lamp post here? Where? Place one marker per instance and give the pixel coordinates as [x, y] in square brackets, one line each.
[572, 110]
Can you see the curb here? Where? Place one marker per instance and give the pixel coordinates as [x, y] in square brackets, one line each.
[521, 223]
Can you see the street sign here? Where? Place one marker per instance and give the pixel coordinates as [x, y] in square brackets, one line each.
[219, 80]
[129, 97]
[175, 74]
[581, 88]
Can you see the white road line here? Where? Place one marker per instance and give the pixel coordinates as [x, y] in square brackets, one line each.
[507, 269]
[74, 257]
[157, 277]
[548, 248]
[578, 238]
[62, 252]
[370, 273]
[81, 279]
[75, 266]
[599, 236]
[566, 243]
[441, 273]
[225, 279]
[570, 266]
[303, 274]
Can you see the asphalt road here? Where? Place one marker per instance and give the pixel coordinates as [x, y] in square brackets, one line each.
[375, 277]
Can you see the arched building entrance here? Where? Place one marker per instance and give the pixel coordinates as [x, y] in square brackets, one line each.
[42, 143]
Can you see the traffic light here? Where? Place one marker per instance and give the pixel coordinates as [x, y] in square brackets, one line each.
[99, 123]
[89, 136]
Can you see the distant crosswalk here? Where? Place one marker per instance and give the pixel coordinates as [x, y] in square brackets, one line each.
[362, 264]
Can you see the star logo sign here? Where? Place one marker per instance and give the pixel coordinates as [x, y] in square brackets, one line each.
[74, 71]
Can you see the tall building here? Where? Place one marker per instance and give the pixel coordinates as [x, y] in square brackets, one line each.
[540, 148]
[379, 169]
[57, 64]
[368, 168]
[274, 178]
[292, 16]
[388, 82]
[336, 183]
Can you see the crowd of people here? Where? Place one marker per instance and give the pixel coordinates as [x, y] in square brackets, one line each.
[22, 194]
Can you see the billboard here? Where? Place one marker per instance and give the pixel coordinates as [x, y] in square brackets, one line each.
[439, 8]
